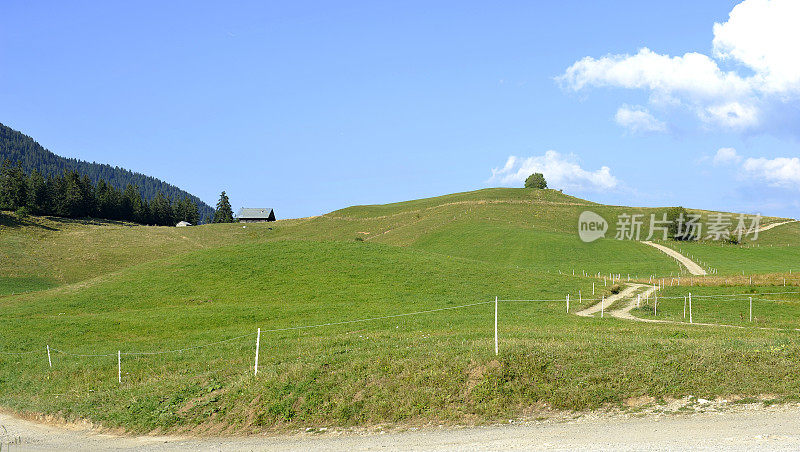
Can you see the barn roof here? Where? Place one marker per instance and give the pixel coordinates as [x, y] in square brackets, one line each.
[246, 213]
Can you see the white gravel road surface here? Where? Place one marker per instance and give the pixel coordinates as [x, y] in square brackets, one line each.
[745, 428]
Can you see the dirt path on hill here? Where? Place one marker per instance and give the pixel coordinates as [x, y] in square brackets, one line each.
[688, 263]
[774, 225]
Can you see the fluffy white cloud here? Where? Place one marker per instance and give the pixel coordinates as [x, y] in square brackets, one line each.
[761, 38]
[763, 35]
[778, 172]
[638, 119]
[560, 171]
[726, 155]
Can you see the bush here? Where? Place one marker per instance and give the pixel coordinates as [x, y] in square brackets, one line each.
[536, 180]
[673, 216]
[615, 288]
[22, 213]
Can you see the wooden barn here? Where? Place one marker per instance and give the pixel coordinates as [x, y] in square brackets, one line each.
[250, 215]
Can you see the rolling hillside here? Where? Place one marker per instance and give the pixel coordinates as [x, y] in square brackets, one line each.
[18, 147]
[356, 307]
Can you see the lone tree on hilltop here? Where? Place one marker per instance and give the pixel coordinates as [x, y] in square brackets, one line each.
[536, 180]
[224, 213]
[677, 231]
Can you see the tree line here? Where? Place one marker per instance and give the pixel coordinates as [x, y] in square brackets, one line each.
[18, 147]
[73, 195]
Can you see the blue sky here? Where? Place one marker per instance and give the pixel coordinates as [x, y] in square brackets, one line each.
[310, 107]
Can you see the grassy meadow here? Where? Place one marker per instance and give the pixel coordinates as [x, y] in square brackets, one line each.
[89, 289]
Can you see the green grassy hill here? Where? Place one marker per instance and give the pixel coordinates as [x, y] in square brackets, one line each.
[95, 288]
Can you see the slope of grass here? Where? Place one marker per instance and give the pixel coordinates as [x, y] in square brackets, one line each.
[161, 306]
[104, 287]
[14, 285]
[502, 195]
[344, 374]
[63, 251]
[546, 251]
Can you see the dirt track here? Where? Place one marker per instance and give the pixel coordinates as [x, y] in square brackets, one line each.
[688, 263]
[774, 225]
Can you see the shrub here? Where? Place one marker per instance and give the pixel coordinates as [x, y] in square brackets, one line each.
[615, 288]
[673, 216]
[536, 180]
[22, 213]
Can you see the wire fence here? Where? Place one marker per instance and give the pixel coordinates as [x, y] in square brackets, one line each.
[250, 335]
[47, 349]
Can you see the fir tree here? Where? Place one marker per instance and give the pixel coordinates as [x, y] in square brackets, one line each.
[224, 213]
[133, 207]
[13, 186]
[38, 194]
[161, 210]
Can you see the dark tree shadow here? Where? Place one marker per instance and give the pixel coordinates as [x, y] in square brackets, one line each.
[12, 221]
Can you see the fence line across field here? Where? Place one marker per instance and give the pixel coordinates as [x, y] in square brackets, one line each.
[319, 325]
[345, 322]
[729, 295]
[48, 349]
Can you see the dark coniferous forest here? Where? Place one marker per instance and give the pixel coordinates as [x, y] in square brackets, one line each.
[107, 183]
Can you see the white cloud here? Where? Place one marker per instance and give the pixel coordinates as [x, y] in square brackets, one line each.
[761, 38]
[560, 171]
[638, 119]
[777, 172]
[763, 35]
[726, 155]
[783, 172]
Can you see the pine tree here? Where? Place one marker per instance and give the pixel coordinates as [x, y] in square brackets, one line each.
[109, 201]
[13, 186]
[186, 210]
[133, 208]
[38, 194]
[161, 210]
[224, 213]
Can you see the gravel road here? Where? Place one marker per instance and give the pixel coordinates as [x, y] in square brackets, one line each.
[742, 427]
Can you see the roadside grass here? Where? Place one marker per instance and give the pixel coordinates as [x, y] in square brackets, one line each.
[730, 305]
